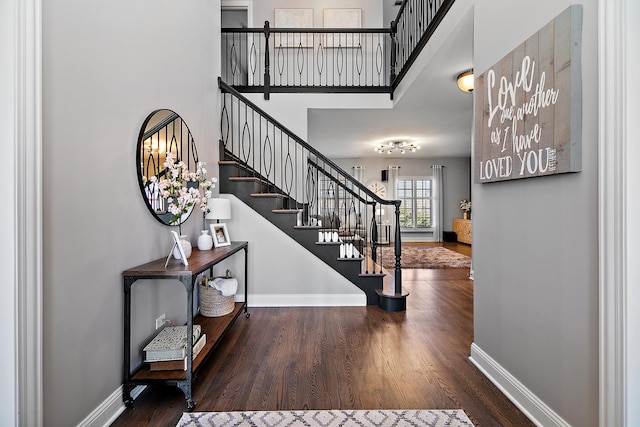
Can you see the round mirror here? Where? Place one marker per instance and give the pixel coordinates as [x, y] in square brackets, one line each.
[164, 143]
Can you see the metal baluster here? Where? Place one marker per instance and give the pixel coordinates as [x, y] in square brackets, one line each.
[267, 75]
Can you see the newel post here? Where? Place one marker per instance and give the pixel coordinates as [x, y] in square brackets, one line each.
[397, 247]
[267, 75]
[394, 30]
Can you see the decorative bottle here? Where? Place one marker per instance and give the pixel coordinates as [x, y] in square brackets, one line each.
[205, 241]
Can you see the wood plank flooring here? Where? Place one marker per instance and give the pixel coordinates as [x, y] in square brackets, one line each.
[347, 358]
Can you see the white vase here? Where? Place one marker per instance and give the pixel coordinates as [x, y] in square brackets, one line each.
[205, 241]
[186, 248]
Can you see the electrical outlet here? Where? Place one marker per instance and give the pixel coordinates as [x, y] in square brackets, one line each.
[160, 320]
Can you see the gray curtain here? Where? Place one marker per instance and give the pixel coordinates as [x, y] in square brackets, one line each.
[438, 198]
[358, 173]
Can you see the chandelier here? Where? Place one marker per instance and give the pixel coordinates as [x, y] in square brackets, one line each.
[396, 146]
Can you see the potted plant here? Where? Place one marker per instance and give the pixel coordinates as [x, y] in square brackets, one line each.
[465, 206]
[183, 190]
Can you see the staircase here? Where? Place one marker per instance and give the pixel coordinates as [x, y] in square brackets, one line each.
[307, 197]
[283, 178]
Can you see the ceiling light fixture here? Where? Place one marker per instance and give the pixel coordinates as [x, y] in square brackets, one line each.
[465, 81]
[399, 146]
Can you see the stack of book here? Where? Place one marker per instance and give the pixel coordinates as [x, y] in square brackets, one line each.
[168, 350]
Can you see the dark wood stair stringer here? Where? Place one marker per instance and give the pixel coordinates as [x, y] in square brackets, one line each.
[275, 207]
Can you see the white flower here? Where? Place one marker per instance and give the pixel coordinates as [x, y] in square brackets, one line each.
[465, 205]
[181, 187]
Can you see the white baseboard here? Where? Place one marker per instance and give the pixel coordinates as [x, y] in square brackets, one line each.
[105, 414]
[534, 408]
[308, 300]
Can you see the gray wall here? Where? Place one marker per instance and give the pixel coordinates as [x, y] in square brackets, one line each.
[536, 240]
[8, 220]
[390, 11]
[107, 64]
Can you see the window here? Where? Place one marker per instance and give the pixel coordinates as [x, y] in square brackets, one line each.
[417, 199]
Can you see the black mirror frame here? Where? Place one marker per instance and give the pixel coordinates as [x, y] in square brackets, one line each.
[191, 160]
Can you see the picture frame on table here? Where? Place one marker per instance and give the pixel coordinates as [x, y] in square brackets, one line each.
[176, 245]
[220, 235]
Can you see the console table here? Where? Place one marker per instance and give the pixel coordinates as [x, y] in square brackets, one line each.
[463, 230]
[214, 327]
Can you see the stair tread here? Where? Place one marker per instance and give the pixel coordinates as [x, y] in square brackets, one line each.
[244, 178]
[307, 227]
[274, 195]
[359, 259]
[371, 266]
[286, 211]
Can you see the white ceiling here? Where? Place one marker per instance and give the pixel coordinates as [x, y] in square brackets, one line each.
[433, 112]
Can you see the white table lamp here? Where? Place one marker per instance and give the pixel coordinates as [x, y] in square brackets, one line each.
[219, 209]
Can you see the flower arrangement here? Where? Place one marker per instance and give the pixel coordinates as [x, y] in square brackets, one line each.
[182, 188]
[465, 205]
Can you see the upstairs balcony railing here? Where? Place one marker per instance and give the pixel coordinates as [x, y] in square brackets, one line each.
[367, 60]
[294, 60]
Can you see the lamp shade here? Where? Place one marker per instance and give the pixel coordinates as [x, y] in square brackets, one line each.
[465, 81]
[219, 209]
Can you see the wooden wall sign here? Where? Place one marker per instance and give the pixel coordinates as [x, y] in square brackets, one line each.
[528, 106]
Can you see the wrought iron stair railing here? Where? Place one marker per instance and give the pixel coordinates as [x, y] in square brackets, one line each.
[324, 197]
[370, 60]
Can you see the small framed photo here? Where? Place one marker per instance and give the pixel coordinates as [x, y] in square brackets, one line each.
[220, 235]
[178, 246]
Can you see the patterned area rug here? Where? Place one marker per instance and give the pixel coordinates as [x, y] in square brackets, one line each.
[425, 257]
[332, 418]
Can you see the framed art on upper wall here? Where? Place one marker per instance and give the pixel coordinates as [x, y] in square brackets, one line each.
[342, 18]
[293, 18]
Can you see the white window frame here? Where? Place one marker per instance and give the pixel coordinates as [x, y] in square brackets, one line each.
[414, 198]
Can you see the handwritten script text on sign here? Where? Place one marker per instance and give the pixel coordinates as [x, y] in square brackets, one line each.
[524, 144]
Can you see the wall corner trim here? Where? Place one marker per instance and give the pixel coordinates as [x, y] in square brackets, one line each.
[534, 408]
[613, 190]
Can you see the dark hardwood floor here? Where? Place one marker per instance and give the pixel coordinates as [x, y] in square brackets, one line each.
[347, 358]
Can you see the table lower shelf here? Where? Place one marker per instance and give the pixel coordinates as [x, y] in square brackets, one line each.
[215, 329]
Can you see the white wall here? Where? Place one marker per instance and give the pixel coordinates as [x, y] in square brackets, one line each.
[292, 109]
[535, 240]
[107, 64]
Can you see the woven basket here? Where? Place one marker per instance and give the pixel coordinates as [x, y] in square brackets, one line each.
[212, 303]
